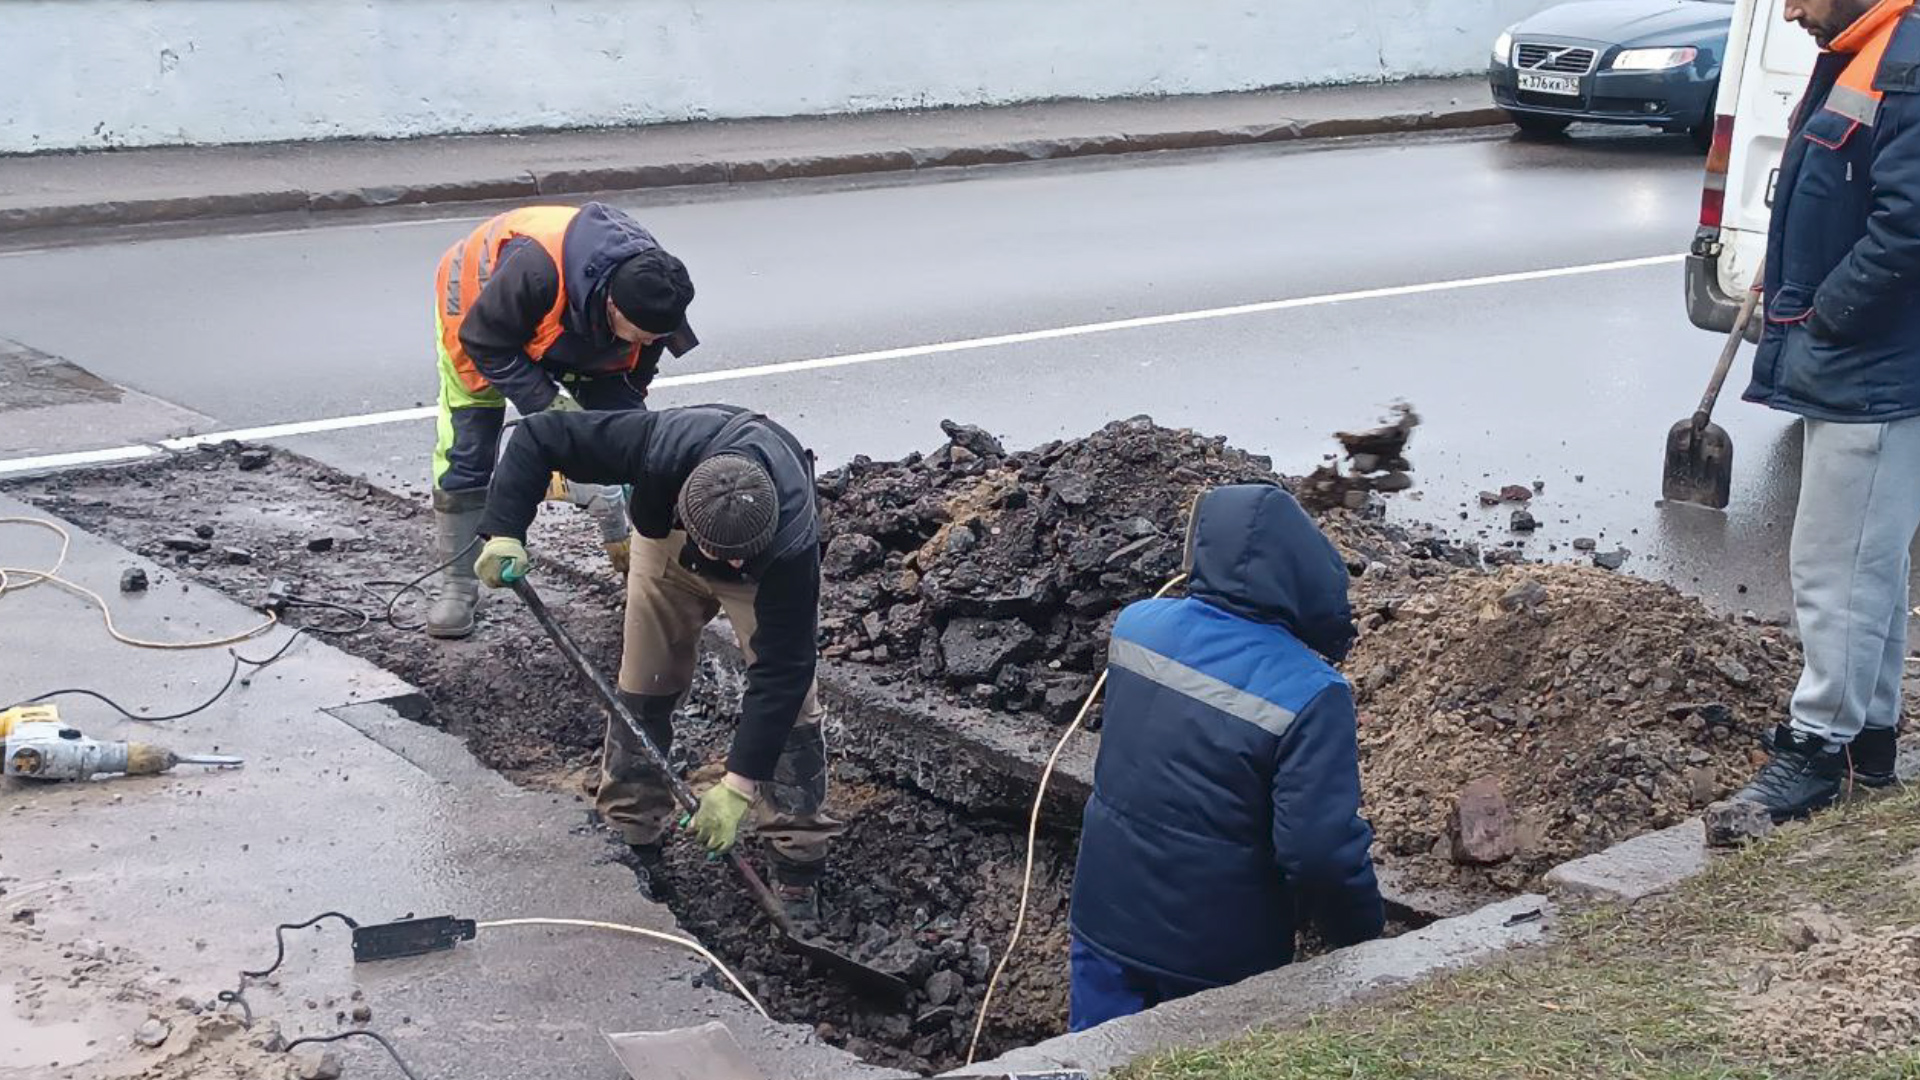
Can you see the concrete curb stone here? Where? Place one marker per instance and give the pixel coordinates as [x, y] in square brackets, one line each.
[652, 175]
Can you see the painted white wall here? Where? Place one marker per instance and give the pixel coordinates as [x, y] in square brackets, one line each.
[95, 73]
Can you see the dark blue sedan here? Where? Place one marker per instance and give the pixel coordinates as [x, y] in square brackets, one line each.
[1644, 62]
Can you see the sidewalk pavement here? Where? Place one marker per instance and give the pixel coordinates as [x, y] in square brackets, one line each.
[342, 805]
[120, 187]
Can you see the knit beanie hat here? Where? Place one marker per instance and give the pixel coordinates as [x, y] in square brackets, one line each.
[729, 507]
[652, 290]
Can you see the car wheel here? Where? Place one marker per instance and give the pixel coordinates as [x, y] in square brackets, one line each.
[1539, 127]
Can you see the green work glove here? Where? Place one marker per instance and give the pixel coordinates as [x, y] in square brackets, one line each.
[562, 402]
[502, 562]
[717, 823]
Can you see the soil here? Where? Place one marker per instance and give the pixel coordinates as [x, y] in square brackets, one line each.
[1601, 705]
[79, 1010]
[1862, 983]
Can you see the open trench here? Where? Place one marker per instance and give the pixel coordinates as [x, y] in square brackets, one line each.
[919, 884]
[924, 883]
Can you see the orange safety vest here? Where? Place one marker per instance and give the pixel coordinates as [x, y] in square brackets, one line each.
[467, 265]
[1854, 96]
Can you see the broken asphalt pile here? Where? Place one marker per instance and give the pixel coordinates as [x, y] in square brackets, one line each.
[995, 576]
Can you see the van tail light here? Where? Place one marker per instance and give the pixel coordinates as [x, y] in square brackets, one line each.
[1713, 192]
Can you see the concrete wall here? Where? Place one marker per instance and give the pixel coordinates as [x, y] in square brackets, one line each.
[99, 73]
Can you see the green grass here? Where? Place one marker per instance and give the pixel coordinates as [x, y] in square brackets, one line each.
[1639, 993]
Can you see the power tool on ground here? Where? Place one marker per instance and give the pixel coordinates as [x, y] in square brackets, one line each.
[37, 746]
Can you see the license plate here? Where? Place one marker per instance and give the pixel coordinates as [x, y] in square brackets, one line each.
[1538, 83]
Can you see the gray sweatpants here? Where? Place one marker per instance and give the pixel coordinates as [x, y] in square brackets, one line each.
[1852, 538]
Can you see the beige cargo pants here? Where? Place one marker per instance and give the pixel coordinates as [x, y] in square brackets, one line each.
[667, 608]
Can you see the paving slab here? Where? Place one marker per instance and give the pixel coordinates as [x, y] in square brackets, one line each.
[1634, 869]
[169, 184]
[1289, 995]
[342, 806]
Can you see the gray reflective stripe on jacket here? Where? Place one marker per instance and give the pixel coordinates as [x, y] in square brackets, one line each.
[1200, 686]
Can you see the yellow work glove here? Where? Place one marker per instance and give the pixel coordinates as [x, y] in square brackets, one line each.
[717, 822]
[502, 562]
[620, 554]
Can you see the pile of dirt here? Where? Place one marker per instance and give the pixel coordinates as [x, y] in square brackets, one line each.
[1864, 988]
[996, 575]
[1600, 706]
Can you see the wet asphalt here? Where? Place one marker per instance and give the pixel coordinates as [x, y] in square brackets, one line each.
[1570, 381]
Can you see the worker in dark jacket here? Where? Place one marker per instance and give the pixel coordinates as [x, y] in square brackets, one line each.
[1842, 348]
[549, 307]
[723, 502]
[1226, 795]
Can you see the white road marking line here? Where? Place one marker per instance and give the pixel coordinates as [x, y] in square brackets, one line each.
[118, 454]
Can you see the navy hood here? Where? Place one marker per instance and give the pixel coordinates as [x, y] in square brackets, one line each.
[1252, 551]
[599, 239]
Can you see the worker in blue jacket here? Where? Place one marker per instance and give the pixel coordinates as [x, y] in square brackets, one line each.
[1226, 795]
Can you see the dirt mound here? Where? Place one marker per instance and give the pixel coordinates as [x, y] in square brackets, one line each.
[1602, 706]
[997, 575]
[1865, 987]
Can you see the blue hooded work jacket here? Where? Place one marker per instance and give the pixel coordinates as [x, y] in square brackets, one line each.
[1226, 801]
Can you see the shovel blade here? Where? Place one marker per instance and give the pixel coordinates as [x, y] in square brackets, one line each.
[1699, 465]
[870, 981]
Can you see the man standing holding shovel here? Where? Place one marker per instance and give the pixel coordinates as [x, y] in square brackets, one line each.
[1842, 349]
[723, 502]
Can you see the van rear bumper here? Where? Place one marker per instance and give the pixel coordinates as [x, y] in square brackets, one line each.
[1708, 306]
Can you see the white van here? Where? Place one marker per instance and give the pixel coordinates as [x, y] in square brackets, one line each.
[1766, 69]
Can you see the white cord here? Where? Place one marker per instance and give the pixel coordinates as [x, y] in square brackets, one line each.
[1033, 836]
[685, 943]
[52, 576]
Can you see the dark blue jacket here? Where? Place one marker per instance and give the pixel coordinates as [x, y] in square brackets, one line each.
[1226, 795]
[1842, 337]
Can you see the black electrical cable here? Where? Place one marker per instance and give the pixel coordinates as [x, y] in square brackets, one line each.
[232, 677]
[388, 615]
[238, 995]
[365, 618]
[80, 691]
[398, 1061]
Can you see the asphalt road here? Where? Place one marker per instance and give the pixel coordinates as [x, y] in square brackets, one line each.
[1571, 380]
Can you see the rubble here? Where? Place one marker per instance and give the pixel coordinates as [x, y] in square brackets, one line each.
[1736, 822]
[133, 580]
[152, 1033]
[1480, 830]
[993, 577]
[1377, 460]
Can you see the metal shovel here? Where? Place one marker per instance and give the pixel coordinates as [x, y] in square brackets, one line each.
[860, 976]
[1699, 465]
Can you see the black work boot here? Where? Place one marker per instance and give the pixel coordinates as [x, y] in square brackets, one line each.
[1875, 752]
[650, 869]
[1806, 773]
